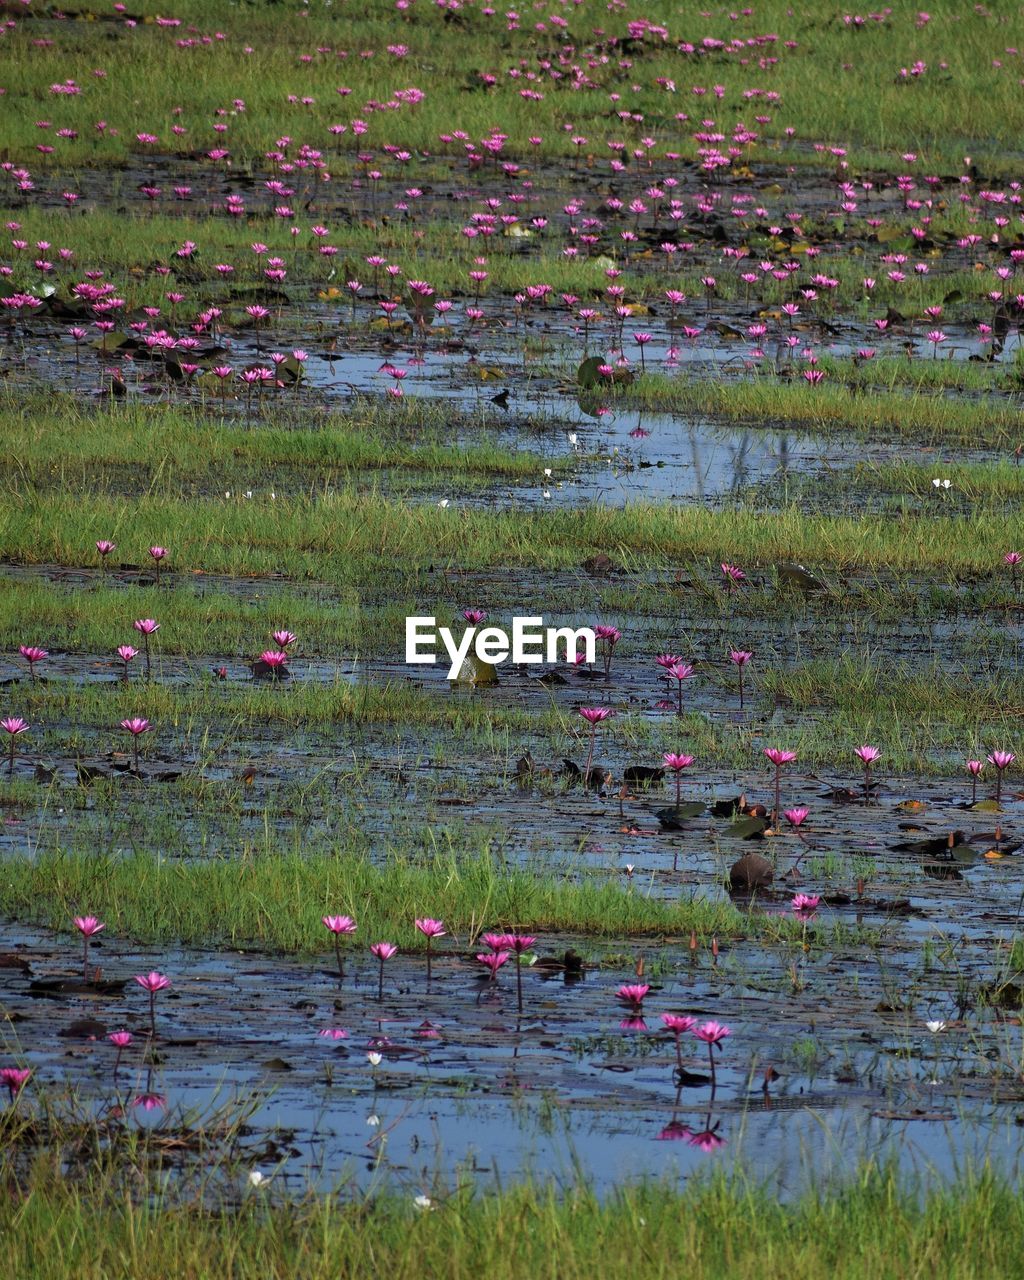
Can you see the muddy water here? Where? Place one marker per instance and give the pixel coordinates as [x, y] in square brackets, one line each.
[466, 1082]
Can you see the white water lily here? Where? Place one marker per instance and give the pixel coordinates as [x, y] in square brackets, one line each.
[935, 1027]
[373, 1121]
[941, 484]
[256, 1179]
[374, 1058]
[423, 1202]
[443, 503]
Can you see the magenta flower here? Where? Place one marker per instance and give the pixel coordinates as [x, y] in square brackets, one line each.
[152, 982]
[493, 961]
[146, 627]
[796, 817]
[339, 926]
[677, 763]
[430, 929]
[136, 726]
[1002, 760]
[13, 726]
[383, 951]
[120, 1040]
[668, 660]
[88, 927]
[707, 1140]
[126, 652]
[33, 654]
[609, 637]
[804, 905]
[150, 1101]
[283, 639]
[678, 1024]
[712, 1033]
[732, 575]
[739, 658]
[779, 758]
[158, 554]
[867, 755]
[275, 659]
[104, 546]
[974, 768]
[15, 1078]
[593, 716]
[680, 672]
[474, 616]
[633, 994]
[333, 1033]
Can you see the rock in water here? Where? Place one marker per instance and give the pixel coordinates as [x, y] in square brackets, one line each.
[752, 871]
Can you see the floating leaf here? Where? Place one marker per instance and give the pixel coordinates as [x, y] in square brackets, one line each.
[747, 828]
[587, 374]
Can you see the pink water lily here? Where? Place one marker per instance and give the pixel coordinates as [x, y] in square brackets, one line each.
[779, 758]
[13, 726]
[1002, 761]
[383, 951]
[33, 655]
[88, 927]
[136, 726]
[430, 929]
[339, 927]
[867, 755]
[152, 982]
[677, 762]
[678, 1024]
[593, 716]
[712, 1033]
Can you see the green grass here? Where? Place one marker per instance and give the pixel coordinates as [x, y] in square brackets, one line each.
[277, 901]
[876, 1224]
[837, 84]
[346, 537]
[982, 422]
